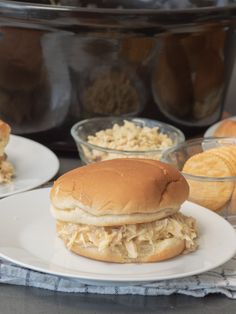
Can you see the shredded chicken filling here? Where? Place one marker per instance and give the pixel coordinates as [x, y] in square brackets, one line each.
[131, 240]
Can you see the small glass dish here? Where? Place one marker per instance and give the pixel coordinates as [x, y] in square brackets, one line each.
[215, 193]
[92, 153]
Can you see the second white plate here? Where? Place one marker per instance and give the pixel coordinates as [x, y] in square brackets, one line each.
[28, 238]
[34, 165]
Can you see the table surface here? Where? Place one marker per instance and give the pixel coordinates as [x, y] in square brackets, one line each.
[27, 300]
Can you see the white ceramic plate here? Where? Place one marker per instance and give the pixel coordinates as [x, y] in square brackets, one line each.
[27, 238]
[34, 165]
[211, 130]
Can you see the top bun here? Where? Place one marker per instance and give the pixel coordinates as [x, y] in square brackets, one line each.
[120, 187]
[226, 128]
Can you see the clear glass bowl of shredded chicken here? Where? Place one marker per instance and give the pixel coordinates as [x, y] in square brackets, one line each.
[116, 137]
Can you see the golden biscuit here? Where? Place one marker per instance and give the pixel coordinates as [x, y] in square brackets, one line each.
[211, 194]
[227, 156]
[212, 163]
[231, 149]
[207, 165]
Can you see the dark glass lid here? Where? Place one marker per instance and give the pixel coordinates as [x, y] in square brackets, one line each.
[129, 14]
[138, 4]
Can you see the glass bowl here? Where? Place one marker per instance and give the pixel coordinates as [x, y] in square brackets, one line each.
[215, 193]
[92, 153]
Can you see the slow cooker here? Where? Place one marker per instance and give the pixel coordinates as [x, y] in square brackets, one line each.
[63, 61]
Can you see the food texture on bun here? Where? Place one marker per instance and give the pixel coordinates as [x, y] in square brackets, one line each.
[123, 210]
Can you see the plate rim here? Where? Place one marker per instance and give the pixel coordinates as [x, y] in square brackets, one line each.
[47, 178]
[96, 277]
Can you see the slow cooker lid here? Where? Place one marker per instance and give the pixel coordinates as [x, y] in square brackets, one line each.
[125, 14]
[133, 4]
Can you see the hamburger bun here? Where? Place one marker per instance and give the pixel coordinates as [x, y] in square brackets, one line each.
[123, 210]
[119, 191]
[226, 128]
[164, 250]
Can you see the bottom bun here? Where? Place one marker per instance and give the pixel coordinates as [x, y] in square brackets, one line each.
[164, 250]
[148, 252]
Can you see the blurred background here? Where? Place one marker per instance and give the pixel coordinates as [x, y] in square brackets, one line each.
[166, 60]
